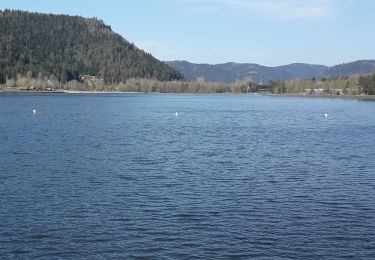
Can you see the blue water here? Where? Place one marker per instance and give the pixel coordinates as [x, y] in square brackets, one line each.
[121, 176]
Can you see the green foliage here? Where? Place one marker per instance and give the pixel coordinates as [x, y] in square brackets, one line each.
[67, 47]
[278, 87]
[368, 84]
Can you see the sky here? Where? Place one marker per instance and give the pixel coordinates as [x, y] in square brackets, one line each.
[267, 32]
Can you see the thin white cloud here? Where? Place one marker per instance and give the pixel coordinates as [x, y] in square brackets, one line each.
[274, 9]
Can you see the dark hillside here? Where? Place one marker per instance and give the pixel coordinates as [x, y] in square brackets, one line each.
[69, 46]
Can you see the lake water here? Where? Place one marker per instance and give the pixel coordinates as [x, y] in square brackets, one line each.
[121, 176]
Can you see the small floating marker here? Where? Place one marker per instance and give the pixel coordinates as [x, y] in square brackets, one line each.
[325, 115]
[176, 114]
[34, 111]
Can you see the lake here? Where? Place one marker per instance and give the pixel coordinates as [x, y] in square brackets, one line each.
[123, 176]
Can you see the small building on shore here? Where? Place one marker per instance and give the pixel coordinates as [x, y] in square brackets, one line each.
[314, 91]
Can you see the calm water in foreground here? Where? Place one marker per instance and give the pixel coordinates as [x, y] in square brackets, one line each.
[121, 176]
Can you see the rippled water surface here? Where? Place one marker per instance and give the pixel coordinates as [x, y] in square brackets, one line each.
[121, 176]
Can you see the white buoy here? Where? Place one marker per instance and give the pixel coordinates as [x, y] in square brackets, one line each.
[34, 111]
[176, 114]
[325, 115]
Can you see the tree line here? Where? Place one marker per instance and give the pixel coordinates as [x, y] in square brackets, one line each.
[345, 85]
[44, 83]
[354, 85]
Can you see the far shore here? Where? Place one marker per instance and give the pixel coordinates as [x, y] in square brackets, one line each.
[63, 91]
[99, 92]
[357, 97]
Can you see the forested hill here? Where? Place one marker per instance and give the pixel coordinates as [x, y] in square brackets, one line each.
[69, 46]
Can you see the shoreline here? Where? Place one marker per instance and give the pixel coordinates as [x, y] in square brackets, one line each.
[351, 97]
[96, 92]
[67, 92]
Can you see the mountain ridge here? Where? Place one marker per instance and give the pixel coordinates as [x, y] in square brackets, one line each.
[231, 71]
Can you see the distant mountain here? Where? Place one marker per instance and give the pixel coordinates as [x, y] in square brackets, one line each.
[265, 74]
[229, 72]
[68, 46]
[360, 67]
[210, 72]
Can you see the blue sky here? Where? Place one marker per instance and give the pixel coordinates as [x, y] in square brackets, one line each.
[267, 32]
